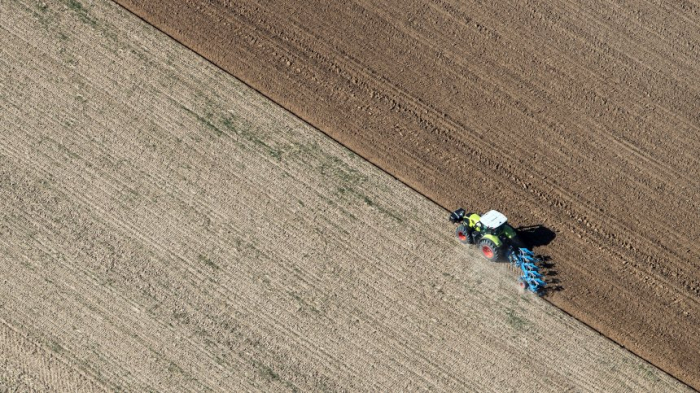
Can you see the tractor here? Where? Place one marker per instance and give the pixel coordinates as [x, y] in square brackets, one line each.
[496, 239]
[490, 232]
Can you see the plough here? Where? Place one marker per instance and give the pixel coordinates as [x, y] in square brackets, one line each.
[528, 264]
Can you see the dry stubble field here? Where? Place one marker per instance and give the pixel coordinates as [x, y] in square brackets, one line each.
[582, 116]
[164, 227]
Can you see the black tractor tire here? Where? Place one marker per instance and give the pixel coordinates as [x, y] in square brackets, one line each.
[464, 234]
[489, 250]
[517, 242]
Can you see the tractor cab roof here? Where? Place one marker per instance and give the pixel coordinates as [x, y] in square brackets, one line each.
[493, 219]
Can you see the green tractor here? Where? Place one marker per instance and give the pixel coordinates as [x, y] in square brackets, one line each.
[490, 232]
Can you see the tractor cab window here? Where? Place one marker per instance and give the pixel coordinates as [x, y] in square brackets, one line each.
[496, 231]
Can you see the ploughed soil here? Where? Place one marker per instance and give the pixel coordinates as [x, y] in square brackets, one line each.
[582, 119]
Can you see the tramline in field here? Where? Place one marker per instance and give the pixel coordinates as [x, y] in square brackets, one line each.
[496, 239]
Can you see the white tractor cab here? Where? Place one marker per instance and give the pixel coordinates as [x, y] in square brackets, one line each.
[493, 219]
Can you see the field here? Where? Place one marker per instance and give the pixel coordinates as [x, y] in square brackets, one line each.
[582, 118]
[165, 227]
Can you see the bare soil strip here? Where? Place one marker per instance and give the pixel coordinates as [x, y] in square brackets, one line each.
[584, 118]
[164, 227]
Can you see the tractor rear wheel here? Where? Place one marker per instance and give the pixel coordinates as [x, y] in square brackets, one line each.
[489, 249]
[463, 234]
[517, 242]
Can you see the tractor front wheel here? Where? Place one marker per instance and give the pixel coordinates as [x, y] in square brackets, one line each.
[463, 234]
[489, 249]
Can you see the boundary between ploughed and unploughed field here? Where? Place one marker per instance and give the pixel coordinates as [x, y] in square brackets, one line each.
[553, 114]
[166, 228]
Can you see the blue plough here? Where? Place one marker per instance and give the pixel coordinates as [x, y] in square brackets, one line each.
[528, 263]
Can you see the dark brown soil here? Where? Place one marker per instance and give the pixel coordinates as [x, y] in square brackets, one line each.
[585, 120]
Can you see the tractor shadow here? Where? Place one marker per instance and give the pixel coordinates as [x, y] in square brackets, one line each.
[538, 236]
[535, 235]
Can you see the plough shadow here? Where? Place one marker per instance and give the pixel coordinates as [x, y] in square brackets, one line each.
[537, 236]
